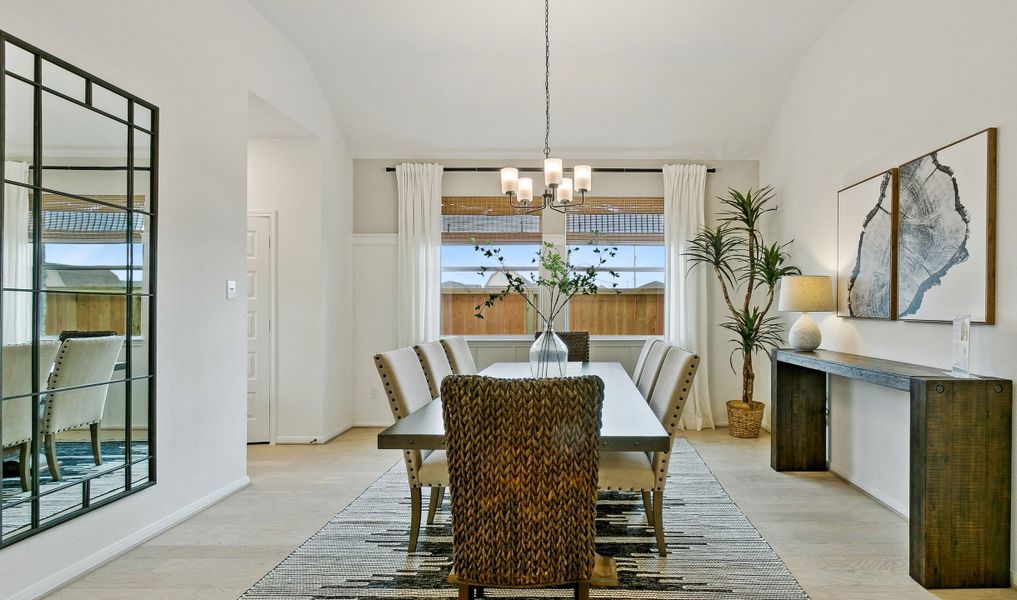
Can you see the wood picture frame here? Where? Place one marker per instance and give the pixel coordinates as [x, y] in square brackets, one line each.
[946, 232]
[867, 247]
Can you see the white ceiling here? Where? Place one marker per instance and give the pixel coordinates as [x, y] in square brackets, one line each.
[635, 79]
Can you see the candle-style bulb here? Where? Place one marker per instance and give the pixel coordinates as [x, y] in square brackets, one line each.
[552, 171]
[509, 180]
[583, 175]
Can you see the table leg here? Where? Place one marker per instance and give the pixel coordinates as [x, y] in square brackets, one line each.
[797, 418]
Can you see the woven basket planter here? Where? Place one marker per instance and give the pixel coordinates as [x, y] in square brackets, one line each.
[744, 422]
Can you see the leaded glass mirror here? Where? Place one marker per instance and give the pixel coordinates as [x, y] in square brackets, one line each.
[77, 264]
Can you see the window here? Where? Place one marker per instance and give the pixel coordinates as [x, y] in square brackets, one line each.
[85, 263]
[635, 226]
[487, 220]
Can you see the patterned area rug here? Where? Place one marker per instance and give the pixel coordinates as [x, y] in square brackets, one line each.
[713, 550]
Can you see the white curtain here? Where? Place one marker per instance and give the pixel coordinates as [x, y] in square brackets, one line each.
[17, 259]
[419, 276]
[686, 322]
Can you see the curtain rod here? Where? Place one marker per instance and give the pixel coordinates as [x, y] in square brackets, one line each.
[541, 169]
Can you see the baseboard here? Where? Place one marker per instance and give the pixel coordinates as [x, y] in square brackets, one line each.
[314, 439]
[892, 505]
[1013, 578]
[97, 559]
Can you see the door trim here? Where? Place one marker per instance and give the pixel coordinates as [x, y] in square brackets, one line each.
[273, 387]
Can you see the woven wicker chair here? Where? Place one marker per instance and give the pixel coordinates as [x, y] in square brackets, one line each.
[641, 361]
[522, 458]
[640, 472]
[459, 355]
[406, 388]
[578, 343]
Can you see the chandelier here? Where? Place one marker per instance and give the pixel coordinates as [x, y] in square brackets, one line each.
[559, 192]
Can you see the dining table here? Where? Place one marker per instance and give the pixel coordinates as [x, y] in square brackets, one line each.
[628, 423]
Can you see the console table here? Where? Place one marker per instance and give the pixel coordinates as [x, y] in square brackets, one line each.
[960, 456]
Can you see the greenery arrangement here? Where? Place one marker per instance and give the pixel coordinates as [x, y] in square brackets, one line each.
[555, 273]
[743, 262]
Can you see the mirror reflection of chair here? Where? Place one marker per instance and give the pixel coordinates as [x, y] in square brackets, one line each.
[17, 380]
[81, 361]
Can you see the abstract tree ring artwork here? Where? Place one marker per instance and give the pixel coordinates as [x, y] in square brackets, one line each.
[865, 246]
[946, 232]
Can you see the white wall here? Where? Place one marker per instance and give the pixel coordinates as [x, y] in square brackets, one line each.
[198, 61]
[375, 226]
[284, 176]
[888, 82]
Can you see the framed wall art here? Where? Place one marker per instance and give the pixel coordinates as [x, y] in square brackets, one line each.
[866, 240]
[946, 224]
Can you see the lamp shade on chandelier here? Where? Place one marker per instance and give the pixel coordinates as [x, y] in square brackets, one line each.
[559, 191]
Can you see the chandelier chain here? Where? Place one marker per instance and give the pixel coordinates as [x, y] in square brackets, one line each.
[547, 81]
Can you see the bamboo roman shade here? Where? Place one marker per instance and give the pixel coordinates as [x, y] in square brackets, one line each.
[72, 220]
[486, 219]
[616, 220]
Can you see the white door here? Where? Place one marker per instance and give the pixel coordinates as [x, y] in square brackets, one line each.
[259, 323]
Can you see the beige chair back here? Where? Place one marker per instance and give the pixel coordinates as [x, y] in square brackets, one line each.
[523, 458]
[641, 361]
[80, 362]
[674, 383]
[406, 387]
[17, 374]
[436, 366]
[459, 355]
[651, 367]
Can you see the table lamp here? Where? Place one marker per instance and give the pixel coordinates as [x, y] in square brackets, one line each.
[805, 294]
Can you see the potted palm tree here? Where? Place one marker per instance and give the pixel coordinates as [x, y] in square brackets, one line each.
[747, 269]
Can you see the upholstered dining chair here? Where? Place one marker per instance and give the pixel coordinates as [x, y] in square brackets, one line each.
[17, 380]
[641, 361]
[578, 343]
[406, 387]
[522, 458]
[459, 355]
[647, 473]
[651, 367]
[81, 361]
[435, 363]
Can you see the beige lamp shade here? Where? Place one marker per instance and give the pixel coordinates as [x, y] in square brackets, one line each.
[805, 293]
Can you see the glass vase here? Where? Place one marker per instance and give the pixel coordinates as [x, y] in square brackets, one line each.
[549, 356]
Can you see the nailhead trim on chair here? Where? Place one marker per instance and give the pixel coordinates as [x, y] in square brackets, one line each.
[407, 454]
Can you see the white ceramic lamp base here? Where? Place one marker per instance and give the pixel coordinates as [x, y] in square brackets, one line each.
[804, 334]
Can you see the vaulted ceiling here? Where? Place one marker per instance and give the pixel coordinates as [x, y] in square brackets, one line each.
[636, 78]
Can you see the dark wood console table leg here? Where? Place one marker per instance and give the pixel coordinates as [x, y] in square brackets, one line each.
[960, 483]
[798, 418]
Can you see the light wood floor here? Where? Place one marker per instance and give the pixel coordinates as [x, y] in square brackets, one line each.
[837, 542]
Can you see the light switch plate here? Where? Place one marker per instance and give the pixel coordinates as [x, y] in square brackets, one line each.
[231, 289]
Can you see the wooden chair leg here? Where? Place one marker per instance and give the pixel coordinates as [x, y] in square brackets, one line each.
[464, 592]
[414, 517]
[51, 459]
[583, 590]
[96, 444]
[23, 465]
[648, 508]
[437, 496]
[658, 521]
